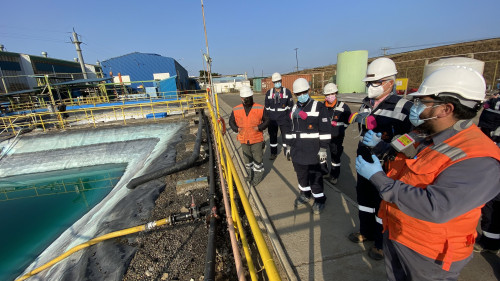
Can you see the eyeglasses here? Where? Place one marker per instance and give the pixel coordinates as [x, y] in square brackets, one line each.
[418, 101]
[375, 83]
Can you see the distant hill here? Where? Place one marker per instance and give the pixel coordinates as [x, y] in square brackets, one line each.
[411, 64]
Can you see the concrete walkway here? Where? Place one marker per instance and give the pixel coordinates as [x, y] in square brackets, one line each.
[316, 246]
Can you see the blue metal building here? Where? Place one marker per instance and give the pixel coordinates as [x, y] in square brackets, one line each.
[142, 66]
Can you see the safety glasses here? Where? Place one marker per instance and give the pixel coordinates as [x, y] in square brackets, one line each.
[418, 101]
[375, 83]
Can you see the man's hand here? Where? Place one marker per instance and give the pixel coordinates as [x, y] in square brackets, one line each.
[371, 138]
[367, 170]
[287, 153]
[256, 128]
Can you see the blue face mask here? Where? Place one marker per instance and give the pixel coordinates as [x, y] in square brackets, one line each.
[416, 110]
[277, 85]
[303, 98]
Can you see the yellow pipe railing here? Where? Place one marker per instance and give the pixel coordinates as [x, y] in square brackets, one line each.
[231, 174]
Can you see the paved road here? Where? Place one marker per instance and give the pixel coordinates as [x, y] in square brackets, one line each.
[317, 246]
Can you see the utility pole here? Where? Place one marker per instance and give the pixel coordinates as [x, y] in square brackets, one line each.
[296, 59]
[79, 52]
[213, 95]
[385, 49]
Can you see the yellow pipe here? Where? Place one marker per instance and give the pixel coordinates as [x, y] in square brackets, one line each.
[266, 257]
[94, 241]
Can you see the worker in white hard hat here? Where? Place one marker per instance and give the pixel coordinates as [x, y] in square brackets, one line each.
[249, 120]
[386, 116]
[489, 123]
[338, 116]
[278, 102]
[434, 187]
[308, 138]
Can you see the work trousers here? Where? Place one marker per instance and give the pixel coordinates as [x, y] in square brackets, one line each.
[310, 181]
[490, 225]
[273, 134]
[402, 263]
[336, 149]
[252, 156]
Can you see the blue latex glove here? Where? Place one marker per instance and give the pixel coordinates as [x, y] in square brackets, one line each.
[371, 139]
[367, 170]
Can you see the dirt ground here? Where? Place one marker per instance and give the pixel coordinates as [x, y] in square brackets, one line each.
[178, 252]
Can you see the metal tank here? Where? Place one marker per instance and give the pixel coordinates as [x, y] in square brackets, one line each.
[351, 69]
[463, 61]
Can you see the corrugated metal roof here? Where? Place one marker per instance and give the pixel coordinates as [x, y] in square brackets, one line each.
[141, 66]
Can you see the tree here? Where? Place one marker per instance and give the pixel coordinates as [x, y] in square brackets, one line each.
[205, 73]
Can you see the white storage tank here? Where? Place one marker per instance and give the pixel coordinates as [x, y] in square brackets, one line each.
[463, 61]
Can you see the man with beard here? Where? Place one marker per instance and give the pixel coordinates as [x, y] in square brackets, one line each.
[436, 184]
[385, 115]
[249, 121]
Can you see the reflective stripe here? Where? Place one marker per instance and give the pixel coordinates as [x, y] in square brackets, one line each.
[304, 188]
[283, 109]
[309, 136]
[270, 109]
[341, 124]
[312, 114]
[249, 165]
[289, 136]
[273, 144]
[366, 209]
[284, 145]
[325, 137]
[453, 153]
[323, 162]
[493, 110]
[335, 164]
[396, 113]
[496, 132]
[258, 107]
[377, 219]
[491, 235]
[318, 195]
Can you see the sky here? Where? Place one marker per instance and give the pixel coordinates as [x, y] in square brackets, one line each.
[255, 37]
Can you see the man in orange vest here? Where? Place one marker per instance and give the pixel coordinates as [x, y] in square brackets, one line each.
[437, 180]
[249, 120]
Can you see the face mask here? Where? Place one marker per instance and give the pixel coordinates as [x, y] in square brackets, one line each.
[248, 101]
[415, 112]
[331, 98]
[277, 85]
[303, 98]
[374, 92]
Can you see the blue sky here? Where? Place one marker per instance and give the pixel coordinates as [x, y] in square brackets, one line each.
[257, 37]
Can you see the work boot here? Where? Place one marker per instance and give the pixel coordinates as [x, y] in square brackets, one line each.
[357, 237]
[318, 208]
[273, 157]
[376, 254]
[478, 248]
[257, 178]
[302, 199]
[330, 179]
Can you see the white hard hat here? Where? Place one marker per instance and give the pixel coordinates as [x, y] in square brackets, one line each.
[329, 89]
[300, 85]
[380, 68]
[459, 80]
[246, 92]
[276, 77]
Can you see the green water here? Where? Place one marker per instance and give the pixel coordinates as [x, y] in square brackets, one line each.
[35, 209]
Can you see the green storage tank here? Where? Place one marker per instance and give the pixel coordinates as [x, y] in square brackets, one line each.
[351, 69]
[257, 84]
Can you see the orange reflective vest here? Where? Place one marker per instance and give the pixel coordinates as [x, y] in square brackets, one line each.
[450, 241]
[247, 133]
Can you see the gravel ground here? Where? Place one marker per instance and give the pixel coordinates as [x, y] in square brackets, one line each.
[178, 252]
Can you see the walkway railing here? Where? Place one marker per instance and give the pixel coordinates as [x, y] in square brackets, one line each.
[233, 181]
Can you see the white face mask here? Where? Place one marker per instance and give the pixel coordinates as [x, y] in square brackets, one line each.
[374, 92]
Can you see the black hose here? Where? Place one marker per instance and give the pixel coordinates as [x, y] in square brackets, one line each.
[210, 258]
[187, 163]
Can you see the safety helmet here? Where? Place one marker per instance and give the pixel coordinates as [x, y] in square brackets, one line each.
[276, 77]
[246, 92]
[300, 85]
[380, 68]
[462, 81]
[329, 89]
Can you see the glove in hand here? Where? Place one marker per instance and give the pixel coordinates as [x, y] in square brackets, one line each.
[371, 138]
[367, 170]
[322, 156]
[287, 153]
[486, 105]
[303, 115]
[334, 123]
